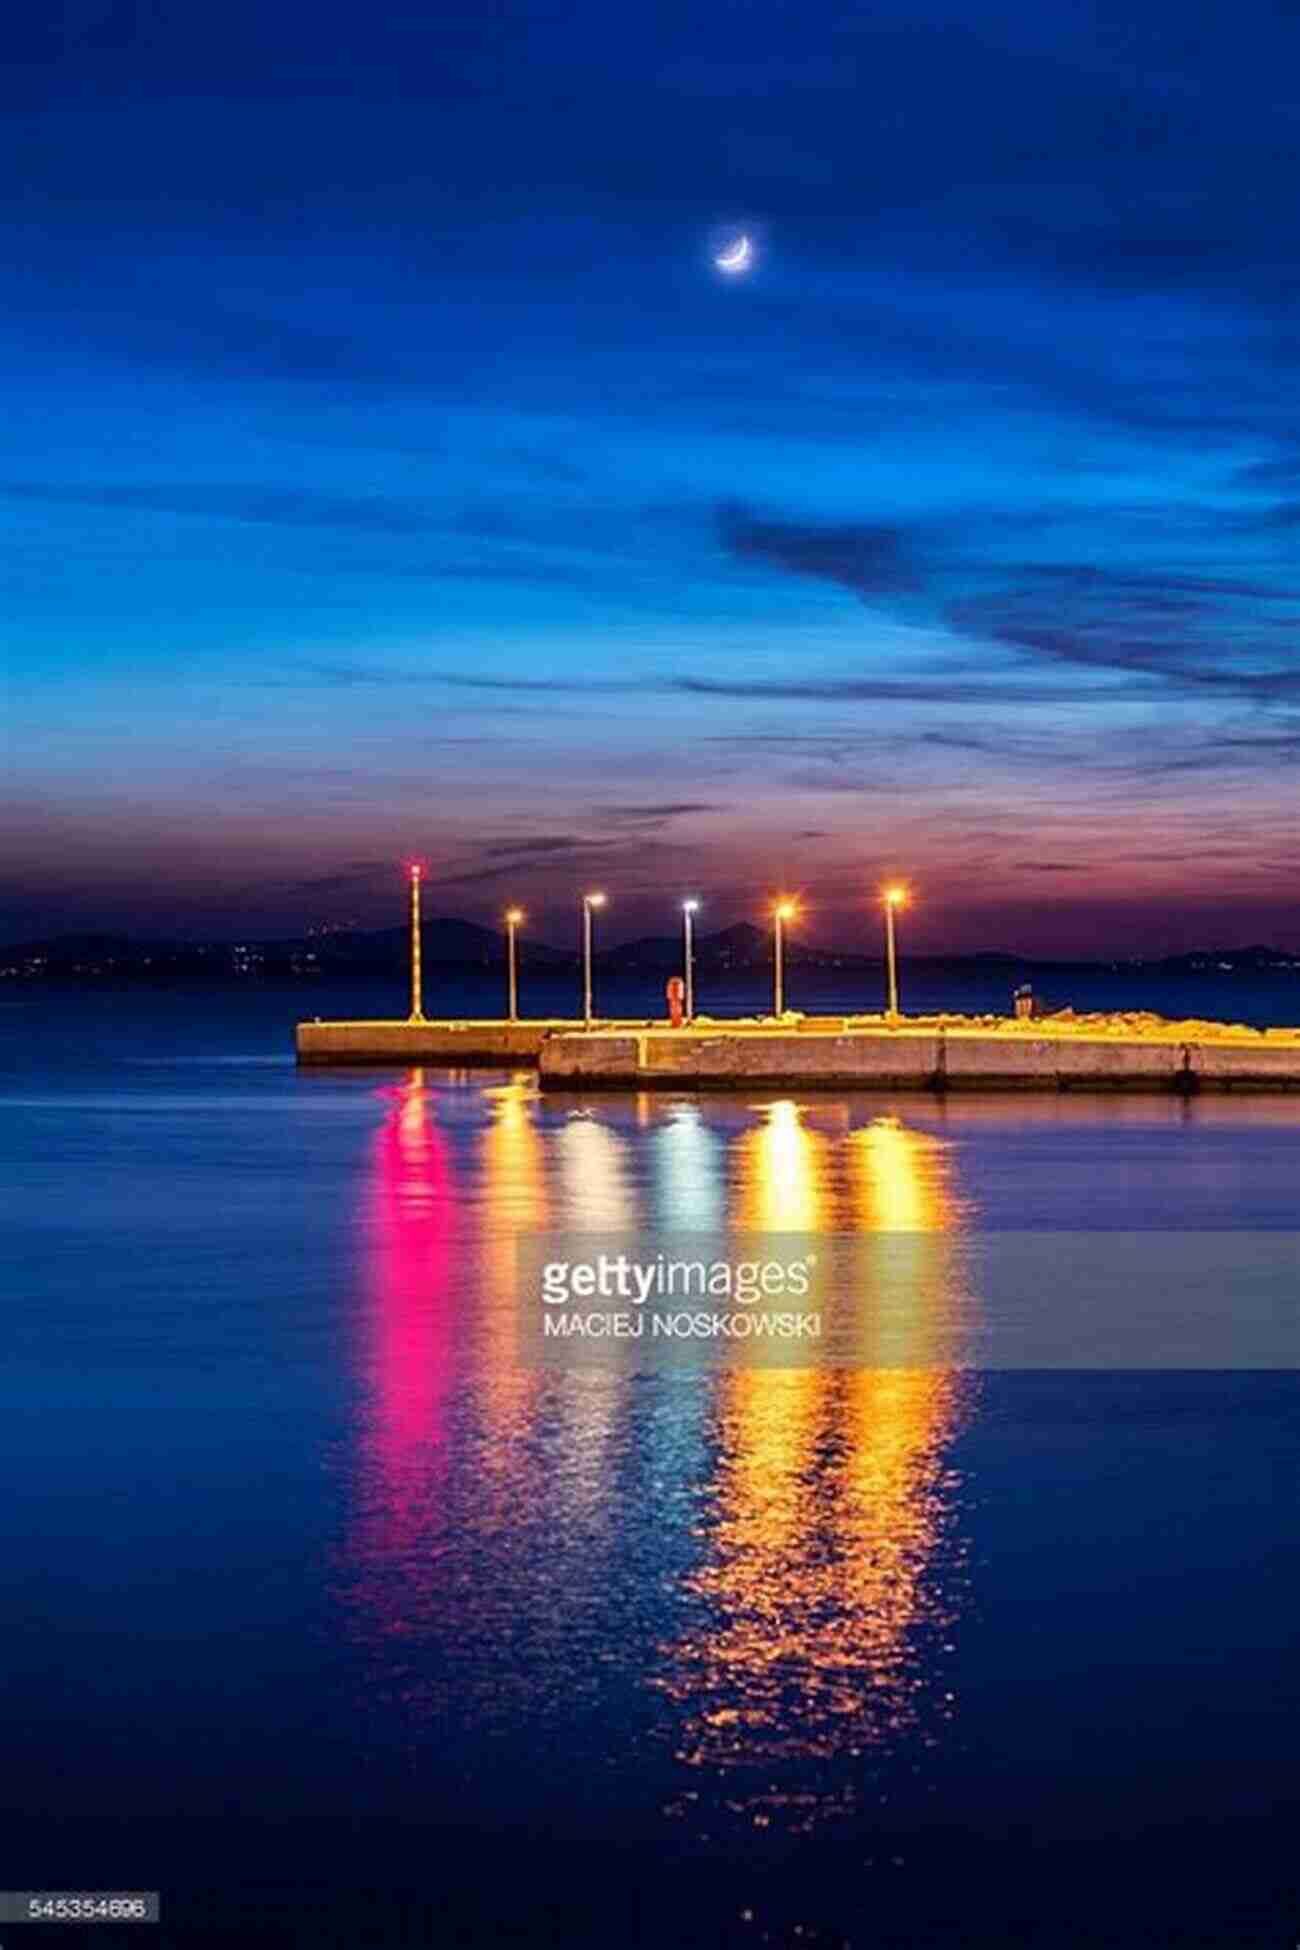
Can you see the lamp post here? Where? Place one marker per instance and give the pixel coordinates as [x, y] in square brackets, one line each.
[784, 911]
[689, 911]
[417, 998]
[514, 916]
[589, 901]
[894, 898]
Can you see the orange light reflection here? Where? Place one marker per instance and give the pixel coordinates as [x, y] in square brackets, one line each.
[831, 1499]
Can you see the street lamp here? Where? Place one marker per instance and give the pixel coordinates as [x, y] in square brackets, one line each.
[514, 917]
[689, 910]
[894, 898]
[783, 911]
[417, 1008]
[589, 901]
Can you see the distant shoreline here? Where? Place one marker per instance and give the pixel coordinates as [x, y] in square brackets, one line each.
[463, 949]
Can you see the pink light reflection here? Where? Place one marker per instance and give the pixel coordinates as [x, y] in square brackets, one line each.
[410, 1221]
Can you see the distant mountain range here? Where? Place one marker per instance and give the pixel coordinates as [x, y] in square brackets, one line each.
[382, 953]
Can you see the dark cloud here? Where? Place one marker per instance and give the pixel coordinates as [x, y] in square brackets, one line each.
[938, 689]
[1283, 515]
[466, 681]
[668, 809]
[1286, 743]
[1166, 591]
[1282, 471]
[383, 677]
[1189, 633]
[871, 559]
[543, 844]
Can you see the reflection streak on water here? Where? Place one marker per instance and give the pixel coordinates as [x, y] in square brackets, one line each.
[830, 1495]
[408, 1233]
[514, 1199]
[689, 1185]
[823, 1564]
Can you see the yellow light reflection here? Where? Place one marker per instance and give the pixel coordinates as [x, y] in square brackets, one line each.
[514, 1172]
[514, 1201]
[899, 1190]
[832, 1568]
[784, 1175]
[899, 1180]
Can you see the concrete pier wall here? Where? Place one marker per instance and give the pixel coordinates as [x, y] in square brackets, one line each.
[1047, 1063]
[818, 1054]
[912, 1060]
[424, 1042]
[721, 1058]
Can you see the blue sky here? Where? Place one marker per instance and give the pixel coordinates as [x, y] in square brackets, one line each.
[387, 471]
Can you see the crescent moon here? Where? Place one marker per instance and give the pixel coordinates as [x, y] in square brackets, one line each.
[737, 257]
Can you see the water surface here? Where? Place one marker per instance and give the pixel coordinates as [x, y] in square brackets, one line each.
[324, 1614]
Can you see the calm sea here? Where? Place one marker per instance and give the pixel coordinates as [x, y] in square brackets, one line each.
[323, 1614]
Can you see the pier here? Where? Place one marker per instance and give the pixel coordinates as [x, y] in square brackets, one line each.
[834, 1052]
[496, 1044]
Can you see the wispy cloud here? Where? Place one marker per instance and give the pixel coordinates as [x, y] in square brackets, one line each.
[238, 502]
[468, 681]
[656, 813]
[938, 689]
[361, 874]
[541, 845]
[1189, 633]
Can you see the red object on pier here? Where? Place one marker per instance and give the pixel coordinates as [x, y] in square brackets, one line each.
[675, 990]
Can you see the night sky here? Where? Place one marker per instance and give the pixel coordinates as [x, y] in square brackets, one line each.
[387, 471]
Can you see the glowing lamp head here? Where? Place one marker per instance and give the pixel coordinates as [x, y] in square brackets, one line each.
[514, 916]
[594, 900]
[690, 907]
[786, 911]
[895, 897]
[414, 870]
